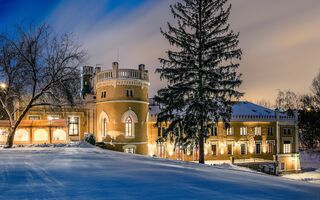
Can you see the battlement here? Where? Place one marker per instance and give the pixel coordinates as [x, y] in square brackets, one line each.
[116, 73]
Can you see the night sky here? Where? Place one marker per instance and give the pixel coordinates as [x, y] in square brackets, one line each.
[280, 39]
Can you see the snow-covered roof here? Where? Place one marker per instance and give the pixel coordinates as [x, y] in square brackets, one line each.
[240, 111]
[250, 109]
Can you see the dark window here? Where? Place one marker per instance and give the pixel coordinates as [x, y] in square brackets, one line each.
[213, 131]
[103, 94]
[243, 149]
[270, 131]
[214, 149]
[229, 149]
[258, 148]
[129, 93]
[286, 131]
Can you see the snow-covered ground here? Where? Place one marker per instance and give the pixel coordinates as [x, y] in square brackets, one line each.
[310, 165]
[86, 172]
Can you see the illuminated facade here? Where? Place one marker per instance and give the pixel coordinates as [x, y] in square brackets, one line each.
[117, 110]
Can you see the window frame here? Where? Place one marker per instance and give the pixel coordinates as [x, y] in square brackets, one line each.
[257, 131]
[243, 130]
[78, 123]
[129, 127]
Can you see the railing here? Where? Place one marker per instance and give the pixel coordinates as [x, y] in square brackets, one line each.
[123, 74]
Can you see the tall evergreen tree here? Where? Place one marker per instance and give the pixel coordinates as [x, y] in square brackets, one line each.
[201, 70]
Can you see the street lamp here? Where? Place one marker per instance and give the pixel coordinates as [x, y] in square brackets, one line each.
[3, 86]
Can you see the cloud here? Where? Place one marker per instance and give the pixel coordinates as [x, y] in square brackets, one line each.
[279, 38]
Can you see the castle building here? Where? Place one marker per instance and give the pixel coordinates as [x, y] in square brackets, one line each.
[117, 110]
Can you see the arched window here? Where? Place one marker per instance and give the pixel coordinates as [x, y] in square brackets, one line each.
[104, 127]
[129, 127]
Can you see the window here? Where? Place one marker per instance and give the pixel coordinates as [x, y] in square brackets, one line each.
[34, 117]
[103, 94]
[129, 150]
[282, 166]
[270, 131]
[286, 131]
[286, 147]
[129, 127]
[129, 93]
[270, 147]
[104, 127]
[229, 149]
[257, 130]
[258, 148]
[214, 131]
[214, 149]
[243, 130]
[243, 149]
[53, 117]
[73, 125]
[161, 151]
[230, 131]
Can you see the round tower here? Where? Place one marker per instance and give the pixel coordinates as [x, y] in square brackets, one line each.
[122, 108]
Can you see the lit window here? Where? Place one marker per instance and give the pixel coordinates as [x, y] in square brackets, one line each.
[129, 127]
[243, 149]
[104, 127]
[73, 125]
[129, 150]
[230, 152]
[243, 130]
[258, 148]
[230, 131]
[161, 151]
[34, 117]
[257, 130]
[270, 147]
[286, 147]
[53, 117]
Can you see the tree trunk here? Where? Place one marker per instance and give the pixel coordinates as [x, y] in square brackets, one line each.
[10, 139]
[201, 148]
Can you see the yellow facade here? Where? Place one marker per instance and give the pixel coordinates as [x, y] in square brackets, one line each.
[116, 109]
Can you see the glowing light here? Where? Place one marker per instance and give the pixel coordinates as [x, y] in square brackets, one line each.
[151, 149]
[3, 85]
[72, 120]
[251, 149]
[206, 149]
[221, 151]
[264, 149]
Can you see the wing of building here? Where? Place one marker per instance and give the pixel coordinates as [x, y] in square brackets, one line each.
[117, 110]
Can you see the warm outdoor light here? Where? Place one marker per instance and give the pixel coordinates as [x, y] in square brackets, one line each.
[3, 85]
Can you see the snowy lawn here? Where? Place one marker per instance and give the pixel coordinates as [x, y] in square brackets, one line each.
[90, 173]
[310, 165]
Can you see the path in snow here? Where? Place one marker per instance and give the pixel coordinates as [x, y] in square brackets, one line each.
[92, 173]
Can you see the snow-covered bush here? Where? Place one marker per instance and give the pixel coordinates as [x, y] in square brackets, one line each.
[90, 138]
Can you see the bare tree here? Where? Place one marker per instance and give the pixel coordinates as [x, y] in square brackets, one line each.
[315, 88]
[37, 68]
[287, 100]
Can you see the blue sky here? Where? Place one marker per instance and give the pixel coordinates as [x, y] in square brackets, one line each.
[280, 39]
